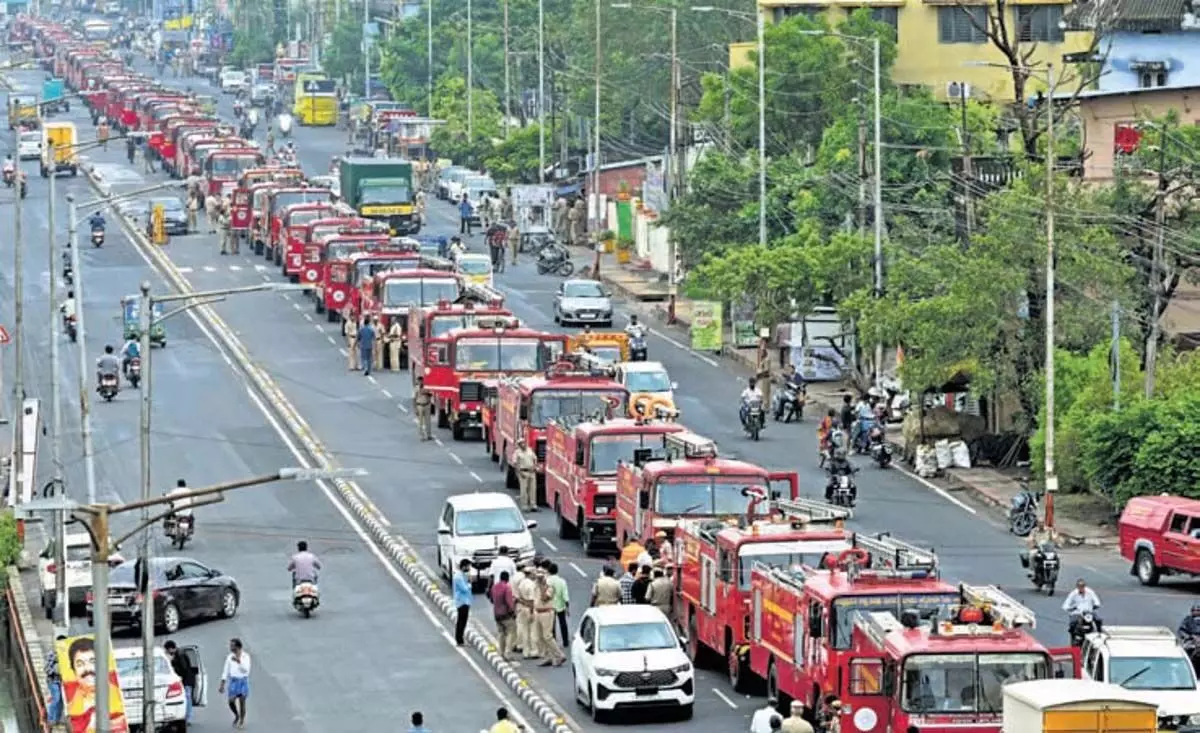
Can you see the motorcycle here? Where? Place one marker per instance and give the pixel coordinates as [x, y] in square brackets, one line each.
[109, 386]
[179, 530]
[1080, 627]
[1023, 513]
[555, 259]
[68, 274]
[637, 347]
[1043, 565]
[1191, 645]
[880, 449]
[789, 402]
[10, 176]
[71, 328]
[133, 372]
[306, 598]
[753, 418]
[841, 490]
[97, 236]
[284, 121]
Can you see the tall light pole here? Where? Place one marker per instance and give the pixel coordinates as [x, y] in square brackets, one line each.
[429, 55]
[146, 321]
[60, 524]
[599, 217]
[366, 49]
[20, 480]
[470, 76]
[761, 46]
[1049, 467]
[507, 76]
[541, 91]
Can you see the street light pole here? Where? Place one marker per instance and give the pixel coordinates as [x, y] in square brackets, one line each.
[61, 596]
[429, 55]
[878, 200]
[18, 460]
[507, 76]
[145, 313]
[541, 91]
[599, 216]
[470, 77]
[85, 394]
[366, 50]
[762, 129]
[1049, 467]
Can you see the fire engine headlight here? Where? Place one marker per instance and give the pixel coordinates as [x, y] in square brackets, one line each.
[602, 510]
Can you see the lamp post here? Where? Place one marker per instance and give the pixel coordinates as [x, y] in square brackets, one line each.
[541, 91]
[470, 76]
[146, 321]
[95, 519]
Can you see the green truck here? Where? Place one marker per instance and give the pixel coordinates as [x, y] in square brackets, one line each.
[381, 188]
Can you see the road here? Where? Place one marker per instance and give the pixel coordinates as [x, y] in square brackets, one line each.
[364, 660]
[364, 421]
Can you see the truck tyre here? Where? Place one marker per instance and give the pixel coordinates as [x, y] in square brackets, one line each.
[565, 530]
[457, 432]
[443, 417]
[1144, 568]
[331, 316]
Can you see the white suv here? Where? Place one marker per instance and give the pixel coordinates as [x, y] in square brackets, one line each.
[170, 710]
[474, 527]
[630, 657]
[79, 571]
[1150, 661]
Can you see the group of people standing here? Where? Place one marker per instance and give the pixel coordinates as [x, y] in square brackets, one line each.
[530, 602]
[365, 341]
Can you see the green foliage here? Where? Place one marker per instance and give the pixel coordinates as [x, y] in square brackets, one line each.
[515, 160]
[450, 104]
[343, 57]
[249, 49]
[256, 31]
[719, 211]
[10, 543]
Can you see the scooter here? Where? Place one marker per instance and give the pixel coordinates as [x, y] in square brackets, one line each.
[637, 347]
[1080, 627]
[840, 489]
[306, 597]
[68, 274]
[555, 259]
[133, 372]
[1023, 513]
[753, 418]
[880, 449]
[179, 530]
[10, 177]
[98, 237]
[789, 403]
[285, 124]
[109, 386]
[71, 328]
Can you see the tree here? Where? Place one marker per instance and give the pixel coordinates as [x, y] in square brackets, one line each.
[343, 55]
[515, 159]
[258, 27]
[450, 104]
[719, 210]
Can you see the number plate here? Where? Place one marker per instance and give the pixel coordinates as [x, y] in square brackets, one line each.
[116, 601]
[646, 691]
[587, 316]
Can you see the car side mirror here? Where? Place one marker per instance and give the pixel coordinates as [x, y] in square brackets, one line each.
[444, 531]
[531, 524]
[214, 573]
[607, 293]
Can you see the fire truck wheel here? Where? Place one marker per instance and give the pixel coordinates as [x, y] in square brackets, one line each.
[457, 432]
[773, 682]
[258, 247]
[332, 316]
[565, 530]
[443, 417]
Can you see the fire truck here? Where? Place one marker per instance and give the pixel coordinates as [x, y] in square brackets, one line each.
[525, 406]
[313, 239]
[582, 455]
[241, 207]
[434, 321]
[334, 289]
[266, 238]
[295, 225]
[715, 558]
[366, 265]
[392, 295]
[947, 673]
[224, 167]
[463, 365]
[690, 481]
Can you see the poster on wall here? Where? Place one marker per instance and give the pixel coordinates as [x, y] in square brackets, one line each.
[707, 327]
[818, 363]
[77, 665]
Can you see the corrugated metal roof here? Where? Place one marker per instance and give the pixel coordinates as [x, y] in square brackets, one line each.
[1128, 15]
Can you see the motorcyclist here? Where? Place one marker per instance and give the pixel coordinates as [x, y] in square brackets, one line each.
[1189, 634]
[130, 351]
[68, 308]
[1079, 601]
[864, 417]
[456, 247]
[1041, 535]
[791, 380]
[304, 565]
[837, 463]
[10, 167]
[96, 221]
[107, 365]
[635, 330]
[179, 507]
[749, 394]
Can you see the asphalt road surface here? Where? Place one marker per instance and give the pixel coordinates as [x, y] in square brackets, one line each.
[370, 656]
[364, 421]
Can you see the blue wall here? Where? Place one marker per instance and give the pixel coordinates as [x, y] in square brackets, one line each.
[1179, 50]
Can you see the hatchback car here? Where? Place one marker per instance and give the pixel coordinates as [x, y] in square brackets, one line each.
[174, 215]
[30, 146]
[583, 301]
[169, 693]
[628, 656]
[183, 590]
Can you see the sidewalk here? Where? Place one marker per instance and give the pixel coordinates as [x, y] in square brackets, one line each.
[1078, 522]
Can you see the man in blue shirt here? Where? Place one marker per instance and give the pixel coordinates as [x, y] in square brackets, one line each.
[366, 344]
[462, 599]
[464, 213]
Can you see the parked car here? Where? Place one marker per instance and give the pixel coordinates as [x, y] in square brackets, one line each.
[183, 590]
[472, 527]
[583, 301]
[450, 181]
[169, 693]
[233, 81]
[79, 570]
[29, 147]
[174, 215]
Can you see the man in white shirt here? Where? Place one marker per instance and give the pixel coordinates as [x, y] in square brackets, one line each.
[761, 722]
[749, 394]
[1080, 601]
[503, 564]
[68, 306]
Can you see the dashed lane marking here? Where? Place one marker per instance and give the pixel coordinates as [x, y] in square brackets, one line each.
[578, 569]
[331, 340]
[386, 393]
[235, 268]
[209, 268]
[549, 544]
[185, 270]
[476, 477]
[728, 702]
[455, 457]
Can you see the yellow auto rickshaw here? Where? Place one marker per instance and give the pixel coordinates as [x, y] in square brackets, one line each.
[22, 110]
[611, 346]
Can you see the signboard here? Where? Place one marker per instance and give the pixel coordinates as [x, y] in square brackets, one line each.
[707, 328]
[319, 86]
[158, 220]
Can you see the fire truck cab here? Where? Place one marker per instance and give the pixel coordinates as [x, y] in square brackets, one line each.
[714, 561]
[525, 406]
[946, 673]
[690, 481]
[582, 456]
[393, 294]
[439, 319]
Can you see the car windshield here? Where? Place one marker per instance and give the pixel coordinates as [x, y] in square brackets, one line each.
[300, 218]
[386, 195]
[442, 325]
[488, 521]
[370, 268]
[474, 266]
[647, 381]
[927, 605]
[966, 683]
[752, 554]
[703, 496]
[496, 354]
[1152, 673]
[122, 575]
[635, 637]
[607, 353]
[551, 403]
[608, 450]
[283, 200]
[583, 289]
[400, 292]
[131, 668]
[32, 137]
[229, 166]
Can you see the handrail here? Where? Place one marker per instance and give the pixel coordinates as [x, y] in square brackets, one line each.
[42, 721]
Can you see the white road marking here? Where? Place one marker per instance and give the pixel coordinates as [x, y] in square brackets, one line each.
[386, 393]
[235, 268]
[456, 458]
[439, 442]
[728, 702]
[578, 569]
[476, 477]
[404, 408]
[307, 316]
[549, 544]
[297, 307]
[936, 489]
[184, 270]
[371, 379]
[331, 340]
[684, 348]
[209, 268]
[260, 268]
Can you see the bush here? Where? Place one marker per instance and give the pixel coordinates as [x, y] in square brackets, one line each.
[10, 543]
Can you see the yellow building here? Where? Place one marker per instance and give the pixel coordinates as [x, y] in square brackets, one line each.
[941, 44]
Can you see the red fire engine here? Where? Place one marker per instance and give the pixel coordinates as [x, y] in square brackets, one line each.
[366, 265]
[313, 239]
[224, 167]
[943, 675]
[295, 224]
[392, 294]
[266, 238]
[581, 471]
[525, 406]
[714, 563]
[690, 481]
[335, 289]
[463, 365]
[437, 320]
[240, 217]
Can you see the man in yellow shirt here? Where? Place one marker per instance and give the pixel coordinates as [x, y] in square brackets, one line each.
[503, 724]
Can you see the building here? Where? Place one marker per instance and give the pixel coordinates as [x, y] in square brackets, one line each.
[942, 43]
[1143, 43]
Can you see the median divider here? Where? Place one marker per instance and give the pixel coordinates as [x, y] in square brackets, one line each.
[395, 546]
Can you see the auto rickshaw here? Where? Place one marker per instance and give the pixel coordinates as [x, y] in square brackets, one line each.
[131, 315]
[610, 346]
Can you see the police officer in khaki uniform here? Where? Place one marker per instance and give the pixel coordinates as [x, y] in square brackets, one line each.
[525, 463]
[377, 349]
[795, 723]
[395, 339]
[224, 229]
[514, 241]
[607, 590]
[527, 635]
[350, 331]
[543, 616]
[422, 403]
[660, 592]
[572, 222]
[580, 225]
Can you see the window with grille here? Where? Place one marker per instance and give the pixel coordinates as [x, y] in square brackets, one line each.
[962, 24]
[808, 11]
[1152, 79]
[1040, 23]
[887, 16]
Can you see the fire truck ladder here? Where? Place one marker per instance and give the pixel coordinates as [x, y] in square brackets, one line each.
[999, 605]
[688, 445]
[811, 510]
[889, 553]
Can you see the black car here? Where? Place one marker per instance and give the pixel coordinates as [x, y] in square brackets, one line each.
[184, 589]
[174, 215]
